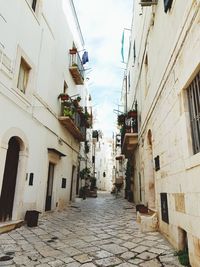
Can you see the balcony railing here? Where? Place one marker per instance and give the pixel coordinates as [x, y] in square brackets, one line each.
[148, 2]
[75, 124]
[129, 135]
[76, 68]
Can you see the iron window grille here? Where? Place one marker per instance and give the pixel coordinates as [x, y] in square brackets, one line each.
[194, 111]
[164, 207]
[64, 183]
[157, 163]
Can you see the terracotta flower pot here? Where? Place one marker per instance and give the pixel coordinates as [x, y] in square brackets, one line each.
[73, 51]
[64, 97]
[132, 114]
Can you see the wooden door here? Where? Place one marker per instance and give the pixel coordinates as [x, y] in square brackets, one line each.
[72, 182]
[49, 187]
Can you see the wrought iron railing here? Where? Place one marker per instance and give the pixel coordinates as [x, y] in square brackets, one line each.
[75, 61]
[78, 121]
[76, 117]
[130, 126]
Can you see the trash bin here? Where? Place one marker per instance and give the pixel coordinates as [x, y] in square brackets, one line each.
[31, 217]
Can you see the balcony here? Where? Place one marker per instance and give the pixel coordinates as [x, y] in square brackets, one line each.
[76, 67]
[145, 3]
[73, 121]
[129, 136]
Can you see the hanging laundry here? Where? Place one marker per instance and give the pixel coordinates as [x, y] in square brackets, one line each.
[85, 58]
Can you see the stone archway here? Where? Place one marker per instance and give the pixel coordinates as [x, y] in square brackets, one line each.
[13, 159]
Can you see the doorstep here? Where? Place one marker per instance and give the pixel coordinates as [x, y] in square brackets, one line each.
[10, 225]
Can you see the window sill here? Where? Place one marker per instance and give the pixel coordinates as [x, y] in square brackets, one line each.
[193, 161]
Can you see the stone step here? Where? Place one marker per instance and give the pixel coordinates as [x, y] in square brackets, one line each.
[10, 225]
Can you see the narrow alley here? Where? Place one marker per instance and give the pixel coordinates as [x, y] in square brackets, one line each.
[91, 232]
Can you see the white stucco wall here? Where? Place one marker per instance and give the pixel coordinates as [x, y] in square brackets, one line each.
[104, 163]
[44, 40]
[167, 59]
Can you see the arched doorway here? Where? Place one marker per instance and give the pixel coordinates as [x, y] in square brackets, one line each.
[150, 172]
[9, 179]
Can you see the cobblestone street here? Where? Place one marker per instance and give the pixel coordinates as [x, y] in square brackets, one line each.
[92, 232]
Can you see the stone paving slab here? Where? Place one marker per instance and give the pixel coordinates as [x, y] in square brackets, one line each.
[94, 232]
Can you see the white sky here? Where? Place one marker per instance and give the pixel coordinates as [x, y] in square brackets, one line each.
[102, 23]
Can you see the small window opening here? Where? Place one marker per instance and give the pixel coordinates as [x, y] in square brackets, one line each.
[23, 77]
[64, 183]
[31, 178]
[34, 4]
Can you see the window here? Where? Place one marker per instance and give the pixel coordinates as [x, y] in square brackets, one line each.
[167, 5]
[194, 111]
[134, 53]
[129, 81]
[23, 77]
[64, 183]
[31, 178]
[164, 207]
[157, 163]
[34, 4]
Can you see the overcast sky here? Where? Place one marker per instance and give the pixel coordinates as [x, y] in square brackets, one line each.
[102, 23]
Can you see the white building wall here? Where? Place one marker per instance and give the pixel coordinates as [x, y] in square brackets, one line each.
[167, 59]
[43, 39]
[104, 164]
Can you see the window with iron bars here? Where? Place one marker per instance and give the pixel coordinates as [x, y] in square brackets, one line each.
[194, 111]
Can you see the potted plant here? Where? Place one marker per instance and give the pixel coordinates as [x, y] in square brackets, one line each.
[183, 257]
[132, 114]
[74, 65]
[64, 96]
[78, 98]
[121, 119]
[73, 51]
[68, 112]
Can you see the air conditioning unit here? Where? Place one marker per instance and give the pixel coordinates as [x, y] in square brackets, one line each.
[148, 2]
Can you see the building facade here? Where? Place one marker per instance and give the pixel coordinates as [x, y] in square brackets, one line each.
[163, 84]
[103, 153]
[40, 131]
